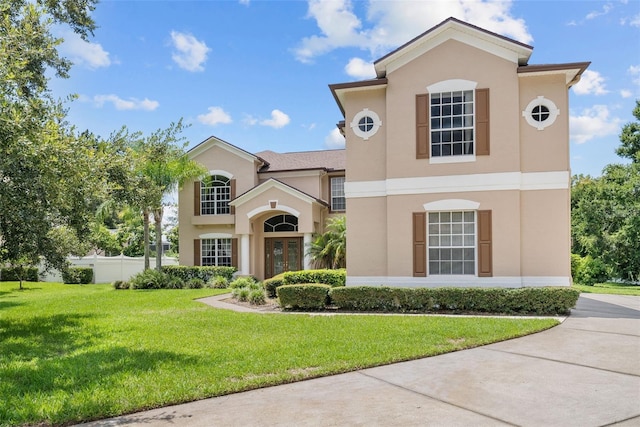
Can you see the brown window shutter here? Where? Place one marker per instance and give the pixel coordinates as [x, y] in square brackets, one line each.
[196, 198]
[232, 183]
[485, 256]
[234, 253]
[482, 122]
[196, 252]
[419, 244]
[422, 126]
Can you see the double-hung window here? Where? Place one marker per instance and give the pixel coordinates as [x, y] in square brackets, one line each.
[338, 201]
[452, 127]
[452, 242]
[215, 194]
[215, 252]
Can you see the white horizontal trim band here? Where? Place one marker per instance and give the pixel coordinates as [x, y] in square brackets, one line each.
[462, 281]
[559, 180]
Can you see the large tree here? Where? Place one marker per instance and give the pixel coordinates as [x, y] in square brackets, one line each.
[605, 211]
[49, 173]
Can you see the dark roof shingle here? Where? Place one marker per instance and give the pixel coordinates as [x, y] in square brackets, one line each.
[324, 159]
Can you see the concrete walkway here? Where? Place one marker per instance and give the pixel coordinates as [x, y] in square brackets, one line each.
[585, 372]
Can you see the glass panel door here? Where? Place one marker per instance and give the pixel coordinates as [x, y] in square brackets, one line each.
[282, 254]
[279, 265]
[293, 255]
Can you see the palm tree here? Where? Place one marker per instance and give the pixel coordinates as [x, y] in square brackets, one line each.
[329, 250]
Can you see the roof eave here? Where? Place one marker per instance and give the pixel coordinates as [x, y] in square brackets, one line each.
[572, 71]
[338, 90]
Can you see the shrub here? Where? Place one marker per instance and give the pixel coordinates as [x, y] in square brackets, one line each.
[241, 294]
[121, 284]
[539, 301]
[185, 273]
[12, 274]
[218, 282]
[195, 283]
[270, 285]
[150, 279]
[77, 275]
[588, 271]
[257, 297]
[332, 278]
[242, 282]
[308, 296]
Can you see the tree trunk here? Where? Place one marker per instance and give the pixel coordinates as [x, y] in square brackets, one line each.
[145, 221]
[157, 217]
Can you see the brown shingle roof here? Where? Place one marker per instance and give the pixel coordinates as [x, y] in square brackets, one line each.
[328, 160]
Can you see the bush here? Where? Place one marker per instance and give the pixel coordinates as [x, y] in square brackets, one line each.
[12, 274]
[242, 282]
[120, 284]
[538, 301]
[257, 297]
[308, 296]
[194, 283]
[218, 282]
[588, 271]
[241, 294]
[332, 278]
[150, 279]
[185, 273]
[270, 285]
[77, 275]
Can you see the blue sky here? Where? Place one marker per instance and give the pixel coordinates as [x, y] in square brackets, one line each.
[255, 73]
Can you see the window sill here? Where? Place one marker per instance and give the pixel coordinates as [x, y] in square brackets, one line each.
[452, 159]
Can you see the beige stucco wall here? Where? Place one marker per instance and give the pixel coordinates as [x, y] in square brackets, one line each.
[308, 182]
[367, 247]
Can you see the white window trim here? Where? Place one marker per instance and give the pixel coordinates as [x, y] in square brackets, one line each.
[202, 201]
[344, 196]
[451, 205]
[454, 85]
[355, 123]
[553, 113]
[475, 245]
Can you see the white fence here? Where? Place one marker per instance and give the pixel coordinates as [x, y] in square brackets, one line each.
[108, 269]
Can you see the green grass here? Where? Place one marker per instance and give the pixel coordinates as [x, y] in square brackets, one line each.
[610, 288]
[71, 353]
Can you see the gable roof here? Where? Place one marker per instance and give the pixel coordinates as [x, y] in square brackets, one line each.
[327, 160]
[213, 141]
[275, 183]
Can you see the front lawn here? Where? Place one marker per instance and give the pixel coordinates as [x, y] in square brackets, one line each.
[610, 288]
[72, 353]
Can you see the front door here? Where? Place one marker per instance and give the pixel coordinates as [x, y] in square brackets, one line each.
[282, 254]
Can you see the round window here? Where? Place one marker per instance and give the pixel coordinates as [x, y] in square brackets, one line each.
[365, 124]
[540, 113]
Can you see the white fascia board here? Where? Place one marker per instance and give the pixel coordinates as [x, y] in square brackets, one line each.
[255, 192]
[503, 181]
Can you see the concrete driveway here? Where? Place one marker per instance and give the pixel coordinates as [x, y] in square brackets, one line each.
[585, 372]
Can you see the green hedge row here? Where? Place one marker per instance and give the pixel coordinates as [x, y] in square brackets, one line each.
[186, 273]
[333, 278]
[78, 275]
[307, 296]
[11, 274]
[538, 301]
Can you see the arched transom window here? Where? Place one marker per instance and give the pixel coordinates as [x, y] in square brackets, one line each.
[281, 223]
[215, 194]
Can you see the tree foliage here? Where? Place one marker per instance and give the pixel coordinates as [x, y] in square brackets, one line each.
[50, 175]
[605, 211]
[329, 250]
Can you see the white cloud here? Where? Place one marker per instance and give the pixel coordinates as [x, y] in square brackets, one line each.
[334, 139]
[360, 69]
[91, 55]
[278, 120]
[634, 71]
[605, 9]
[190, 52]
[126, 104]
[216, 115]
[626, 93]
[249, 120]
[245, 2]
[592, 123]
[591, 83]
[393, 23]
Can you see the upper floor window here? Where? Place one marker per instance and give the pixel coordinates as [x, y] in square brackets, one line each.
[281, 223]
[452, 123]
[338, 201]
[541, 112]
[215, 194]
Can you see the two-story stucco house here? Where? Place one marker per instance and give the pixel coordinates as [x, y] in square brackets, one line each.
[456, 172]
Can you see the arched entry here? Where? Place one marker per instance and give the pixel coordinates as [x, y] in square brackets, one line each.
[282, 253]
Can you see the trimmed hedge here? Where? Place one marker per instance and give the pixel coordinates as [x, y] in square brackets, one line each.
[10, 274]
[270, 285]
[77, 275]
[186, 273]
[332, 278]
[307, 296]
[538, 301]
